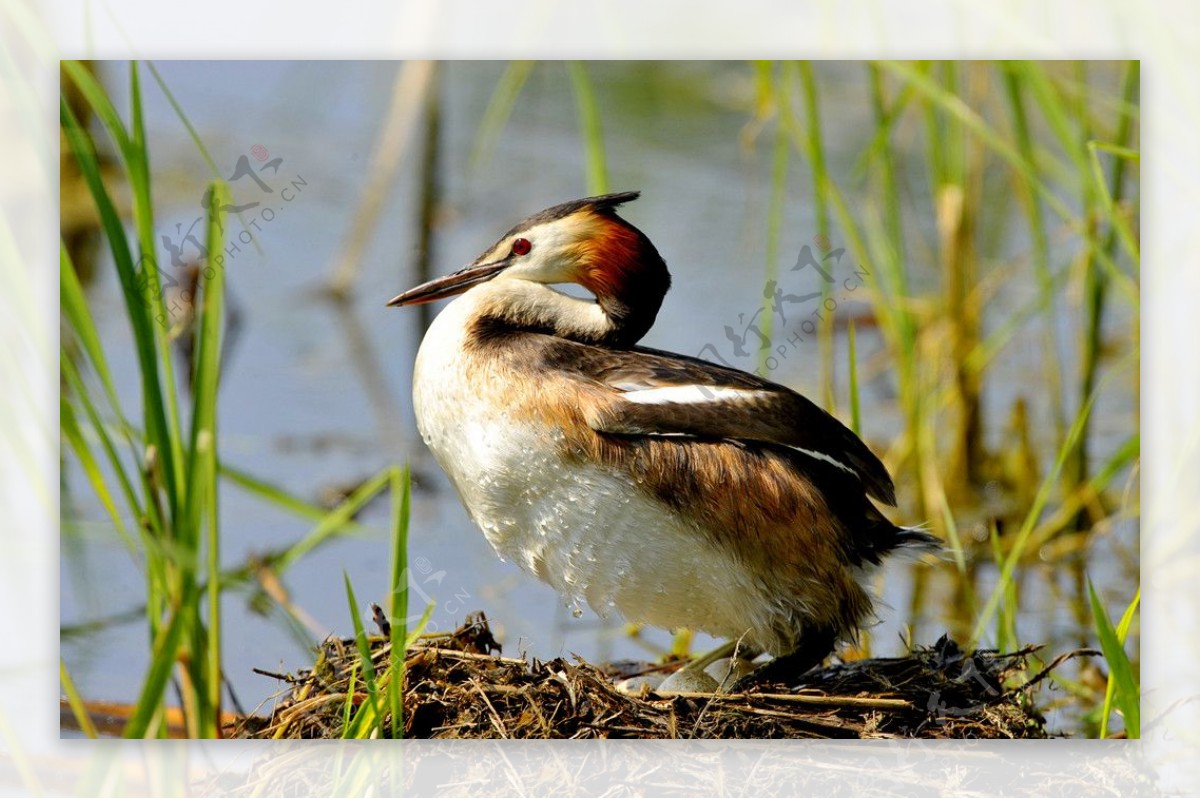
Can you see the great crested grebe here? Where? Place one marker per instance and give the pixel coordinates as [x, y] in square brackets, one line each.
[674, 491]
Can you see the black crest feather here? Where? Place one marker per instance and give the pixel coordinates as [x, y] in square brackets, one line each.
[604, 204]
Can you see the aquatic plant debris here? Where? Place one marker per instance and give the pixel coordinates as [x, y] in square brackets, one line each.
[458, 686]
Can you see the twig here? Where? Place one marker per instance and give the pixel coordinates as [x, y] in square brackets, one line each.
[1054, 664]
[458, 653]
[880, 703]
[841, 731]
[499, 725]
[616, 728]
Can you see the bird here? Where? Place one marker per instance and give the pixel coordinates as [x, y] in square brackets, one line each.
[674, 492]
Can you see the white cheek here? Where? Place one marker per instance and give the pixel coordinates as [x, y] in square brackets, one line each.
[539, 266]
[544, 263]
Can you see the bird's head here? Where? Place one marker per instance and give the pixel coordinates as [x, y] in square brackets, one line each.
[583, 242]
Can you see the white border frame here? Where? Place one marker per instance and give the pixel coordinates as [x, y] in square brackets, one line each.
[1166, 35]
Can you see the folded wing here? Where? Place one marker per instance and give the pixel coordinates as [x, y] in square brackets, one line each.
[652, 393]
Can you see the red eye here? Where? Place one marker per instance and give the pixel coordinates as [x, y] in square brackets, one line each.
[521, 247]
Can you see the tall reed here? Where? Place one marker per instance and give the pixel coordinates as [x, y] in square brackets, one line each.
[976, 127]
[156, 470]
[173, 499]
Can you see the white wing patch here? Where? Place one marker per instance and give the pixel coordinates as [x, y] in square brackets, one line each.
[821, 456]
[699, 395]
[692, 395]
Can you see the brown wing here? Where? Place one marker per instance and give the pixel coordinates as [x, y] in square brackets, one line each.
[663, 394]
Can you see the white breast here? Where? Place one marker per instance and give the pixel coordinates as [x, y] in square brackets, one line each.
[588, 531]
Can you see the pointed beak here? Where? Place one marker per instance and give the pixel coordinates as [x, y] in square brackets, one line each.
[448, 286]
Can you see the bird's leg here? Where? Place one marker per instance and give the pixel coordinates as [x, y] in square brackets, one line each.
[814, 647]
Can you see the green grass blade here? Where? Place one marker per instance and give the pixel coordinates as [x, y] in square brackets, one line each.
[275, 495]
[816, 157]
[968, 118]
[589, 124]
[366, 722]
[187, 123]
[142, 280]
[892, 313]
[71, 431]
[1120, 224]
[206, 386]
[110, 222]
[1053, 105]
[136, 291]
[1041, 249]
[138, 165]
[1127, 616]
[880, 146]
[82, 717]
[368, 713]
[163, 654]
[956, 547]
[201, 458]
[195, 136]
[1006, 613]
[779, 170]
[419, 630]
[956, 109]
[97, 98]
[498, 110]
[852, 370]
[984, 351]
[348, 706]
[893, 322]
[889, 185]
[401, 488]
[1017, 548]
[73, 435]
[1125, 694]
[196, 523]
[76, 312]
[1124, 455]
[816, 145]
[1121, 152]
[333, 522]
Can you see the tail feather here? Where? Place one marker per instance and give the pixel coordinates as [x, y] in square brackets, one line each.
[917, 540]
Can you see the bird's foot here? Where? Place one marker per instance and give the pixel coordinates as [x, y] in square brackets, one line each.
[713, 671]
[785, 669]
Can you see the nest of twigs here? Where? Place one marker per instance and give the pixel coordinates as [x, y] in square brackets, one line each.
[457, 687]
